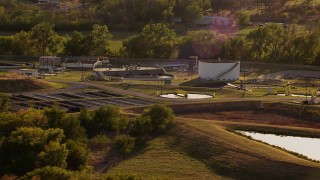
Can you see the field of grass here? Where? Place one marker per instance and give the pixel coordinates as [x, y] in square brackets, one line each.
[71, 75]
[118, 38]
[202, 149]
[159, 161]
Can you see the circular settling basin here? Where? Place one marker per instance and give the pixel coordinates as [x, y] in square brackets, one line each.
[185, 96]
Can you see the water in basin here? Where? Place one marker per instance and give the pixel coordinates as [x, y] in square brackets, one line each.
[308, 147]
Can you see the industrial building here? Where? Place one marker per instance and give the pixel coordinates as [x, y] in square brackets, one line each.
[219, 70]
[134, 73]
[49, 64]
[85, 62]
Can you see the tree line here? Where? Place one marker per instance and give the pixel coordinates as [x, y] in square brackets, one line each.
[50, 144]
[117, 14]
[276, 44]
[271, 42]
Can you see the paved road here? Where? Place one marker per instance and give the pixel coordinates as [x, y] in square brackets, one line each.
[76, 85]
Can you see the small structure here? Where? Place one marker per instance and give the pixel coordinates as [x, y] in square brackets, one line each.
[28, 72]
[133, 73]
[49, 64]
[213, 21]
[85, 62]
[219, 70]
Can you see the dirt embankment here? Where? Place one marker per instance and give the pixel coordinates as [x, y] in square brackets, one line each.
[20, 84]
[249, 112]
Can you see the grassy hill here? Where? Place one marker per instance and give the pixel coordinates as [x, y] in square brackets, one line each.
[205, 149]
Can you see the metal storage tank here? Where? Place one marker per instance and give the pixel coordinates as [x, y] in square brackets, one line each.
[219, 70]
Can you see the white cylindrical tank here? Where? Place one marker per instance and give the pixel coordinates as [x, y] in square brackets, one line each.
[220, 71]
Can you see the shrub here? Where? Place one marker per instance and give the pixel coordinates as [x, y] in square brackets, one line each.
[244, 18]
[125, 144]
[108, 118]
[78, 155]
[99, 142]
[141, 126]
[54, 115]
[161, 117]
[48, 173]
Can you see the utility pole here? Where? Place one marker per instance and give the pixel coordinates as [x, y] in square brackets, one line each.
[244, 83]
[306, 89]
[82, 71]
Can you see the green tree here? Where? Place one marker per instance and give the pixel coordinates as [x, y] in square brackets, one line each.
[78, 155]
[125, 144]
[234, 48]
[141, 126]
[267, 42]
[77, 44]
[189, 11]
[54, 115]
[244, 18]
[53, 154]
[33, 117]
[99, 40]
[48, 173]
[23, 44]
[109, 118]
[135, 47]
[155, 41]
[161, 117]
[6, 45]
[72, 128]
[99, 142]
[9, 122]
[4, 103]
[86, 121]
[204, 43]
[28, 148]
[44, 37]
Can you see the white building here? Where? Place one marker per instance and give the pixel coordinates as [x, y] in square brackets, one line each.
[28, 72]
[219, 71]
[85, 62]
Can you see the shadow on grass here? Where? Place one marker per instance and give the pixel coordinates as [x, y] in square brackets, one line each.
[198, 82]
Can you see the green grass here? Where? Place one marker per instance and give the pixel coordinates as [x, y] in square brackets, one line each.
[202, 149]
[235, 156]
[117, 38]
[159, 161]
[71, 75]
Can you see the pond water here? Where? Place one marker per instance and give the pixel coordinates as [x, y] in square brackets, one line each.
[188, 96]
[309, 147]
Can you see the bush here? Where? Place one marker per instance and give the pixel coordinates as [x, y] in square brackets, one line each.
[141, 126]
[244, 19]
[72, 128]
[78, 155]
[109, 118]
[54, 115]
[99, 142]
[161, 117]
[125, 144]
[48, 173]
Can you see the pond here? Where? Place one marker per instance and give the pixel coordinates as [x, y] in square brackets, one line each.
[187, 96]
[308, 147]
